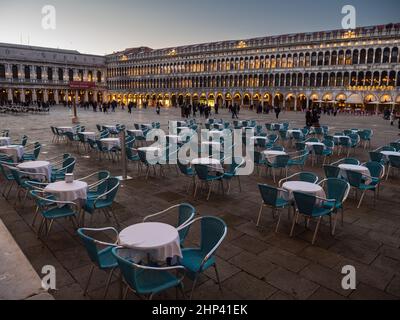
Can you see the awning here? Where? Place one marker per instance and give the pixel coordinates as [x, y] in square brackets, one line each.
[354, 99]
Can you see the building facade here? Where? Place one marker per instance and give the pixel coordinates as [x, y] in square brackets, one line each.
[29, 74]
[358, 68]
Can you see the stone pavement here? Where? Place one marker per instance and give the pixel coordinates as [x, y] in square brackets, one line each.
[254, 263]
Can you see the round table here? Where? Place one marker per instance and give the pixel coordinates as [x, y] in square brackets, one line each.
[136, 133]
[5, 141]
[16, 152]
[270, 155]
[89, 135]
[66, 129]
[390, 153]
[75, 191]
[304, 187]
[111, 128]
[42, 169]
[214, 164]
[351, 167]
[310, 145]
[159, 241]
[110, 143]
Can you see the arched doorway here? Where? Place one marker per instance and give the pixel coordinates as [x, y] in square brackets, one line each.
[187, 99]
[302, 102]
[211, 100]
[195, 99]
[28, 96]
[100, 97]
[220, 100]
[174, 101]
[3, 96]
[51, 96]
[228, 100]
[203, 99]
[267, 100]
[278, 100]
[290, 102]
[237, 99]
[247, 100]
[16, 96]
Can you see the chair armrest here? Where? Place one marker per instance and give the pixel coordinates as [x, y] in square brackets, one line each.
[160, 213]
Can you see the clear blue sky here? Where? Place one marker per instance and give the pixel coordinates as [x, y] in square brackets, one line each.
[104, 26]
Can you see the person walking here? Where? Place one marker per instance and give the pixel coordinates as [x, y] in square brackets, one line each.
[277, 111]
[234, 112]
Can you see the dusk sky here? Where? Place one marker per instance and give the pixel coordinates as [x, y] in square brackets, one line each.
[104, 26]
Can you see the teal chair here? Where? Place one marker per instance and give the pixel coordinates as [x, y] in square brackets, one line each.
[358, 181]
[331, 171]
[145, 280]
[24, 140]
[301, 176]
[205, 178]
[232, 173]
[100, 254]
[7, 176]
[272, 198]
[97, 187]
[394, 163]
[351, 161]
[185, 214]
[321, 152]
[35, 153]
[188, 172]
[105, 201]
[52, 210]
[377, 157]
[197, 260]
[339, 190]
[377, 171]
[68, 166]
[312, 207]
[280, 162]
[299, 160]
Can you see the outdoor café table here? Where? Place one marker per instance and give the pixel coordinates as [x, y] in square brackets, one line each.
[351, 167]
[214, 164]
[390, 153]
[111, 128]
[337, 138]
[270, 155]
[290, 132]
[310, 145]
[5, 141]
[159, 241]
[73, 192]
[43, 168]
[89, 135]
[66, 129]
[304, 187]
[136, 133]
[110, 143]
[16, 152]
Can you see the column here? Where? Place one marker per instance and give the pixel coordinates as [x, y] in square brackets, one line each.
[56, 98]
[86, 99]
[33, 72]
[22, 95]
[8, 71]
[34, 96]
[46, 95]
[85, 75]
[10, 94]
[66, 75]
[295, 104]
[95, 96]
[45, 76]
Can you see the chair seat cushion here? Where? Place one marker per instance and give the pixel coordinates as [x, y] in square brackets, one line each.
[57, 213]
[100, 204]
[321, 211]
[153, 281]
[281, 203]
[192, 259]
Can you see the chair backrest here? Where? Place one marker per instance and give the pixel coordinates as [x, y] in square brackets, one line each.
[376, 169]
[318, 149]
[305, 203]
[331, 171]
[113, 185]
[376, 156]
[201, 171]
[388, 148]
[308, 177]
[300, 146]
[213, 231]
[281, 161]
[337, 189]
[91, 246]
[24, 140]
[183, 168]
[186, 214]
[354, 178]
[351, 161]
[258, 157]
[269, 194]
[277, 148]
[394, 161]
[313, 140]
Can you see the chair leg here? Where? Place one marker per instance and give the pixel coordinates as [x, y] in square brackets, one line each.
[361, 200]
[296, 216]
[259, 215]
[194, 286]
[316, 230]
[108, 283]
[88, 282]
[209, 191]
[218, 279]
[279, 221]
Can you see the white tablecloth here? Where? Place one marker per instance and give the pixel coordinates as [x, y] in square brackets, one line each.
[110, 143]
[66, 129]
[5, 141]
[214, 164]
[390, 153]
[351, 167]
[75, 191]
[13, 151]
[111, 127]
[290, 132]
[337, 138]
[304, 187]
[136, 133]
[41, 167]
[89, 135]
[157, 240]
[270, 155]
[310, 145]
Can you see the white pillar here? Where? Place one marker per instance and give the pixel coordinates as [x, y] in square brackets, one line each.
[10, 94]
[45, 95]
[86, 99]
[95, 96]
[22, 95]
[34, 96]
[56, 98]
